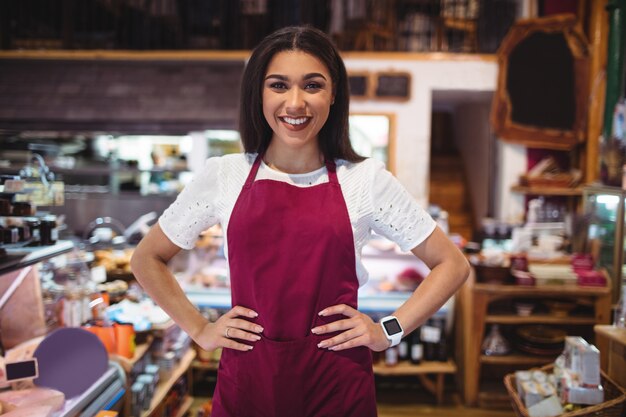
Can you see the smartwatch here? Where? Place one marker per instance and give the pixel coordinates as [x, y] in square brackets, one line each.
[392, 328]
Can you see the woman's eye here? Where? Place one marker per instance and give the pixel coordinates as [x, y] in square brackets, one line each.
[278, 86]
[312, 86]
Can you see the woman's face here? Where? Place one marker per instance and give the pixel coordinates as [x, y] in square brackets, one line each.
[297, 94]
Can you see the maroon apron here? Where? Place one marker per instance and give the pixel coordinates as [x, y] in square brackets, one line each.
[291, 254]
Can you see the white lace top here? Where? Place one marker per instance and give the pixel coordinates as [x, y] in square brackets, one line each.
[376, 202]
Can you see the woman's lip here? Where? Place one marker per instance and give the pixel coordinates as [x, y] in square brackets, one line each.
[292, 127]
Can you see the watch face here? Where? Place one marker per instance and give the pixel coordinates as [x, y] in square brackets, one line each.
[392, 327]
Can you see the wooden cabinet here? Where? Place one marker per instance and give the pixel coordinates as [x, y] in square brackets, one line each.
[475, 316]
[614, 358]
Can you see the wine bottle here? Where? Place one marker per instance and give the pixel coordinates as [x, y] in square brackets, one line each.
[403, 349]
[417, 348]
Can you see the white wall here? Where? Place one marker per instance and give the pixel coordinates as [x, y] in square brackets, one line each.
[429, 73]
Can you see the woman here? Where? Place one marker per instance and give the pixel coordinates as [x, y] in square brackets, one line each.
[297, 208]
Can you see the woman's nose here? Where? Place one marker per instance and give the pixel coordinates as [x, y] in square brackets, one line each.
[295, 99]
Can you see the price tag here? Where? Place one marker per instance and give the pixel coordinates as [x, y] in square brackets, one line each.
[430, 334]
[98, 274]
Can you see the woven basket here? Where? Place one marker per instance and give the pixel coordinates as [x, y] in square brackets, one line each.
[613, 406]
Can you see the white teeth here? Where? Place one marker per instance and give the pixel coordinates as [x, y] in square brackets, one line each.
[298, 121]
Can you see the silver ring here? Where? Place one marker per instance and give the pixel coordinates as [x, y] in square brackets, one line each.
[227, 336]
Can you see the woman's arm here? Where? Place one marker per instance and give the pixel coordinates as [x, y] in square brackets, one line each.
[149, 265]
[449, 269]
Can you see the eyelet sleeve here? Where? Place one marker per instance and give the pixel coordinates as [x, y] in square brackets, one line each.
[395, 213]
[194, 210]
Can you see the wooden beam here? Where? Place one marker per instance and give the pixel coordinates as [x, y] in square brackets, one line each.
[598, 39]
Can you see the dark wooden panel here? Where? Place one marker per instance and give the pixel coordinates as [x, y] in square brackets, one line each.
[125, 96]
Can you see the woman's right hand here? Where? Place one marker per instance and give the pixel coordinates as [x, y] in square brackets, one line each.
[229, 330]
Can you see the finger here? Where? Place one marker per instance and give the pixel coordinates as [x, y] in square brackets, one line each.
[335, 326]
[339, 339]
[241, 311]
[245, 325]
[352, 343]
[344, 309]
[235, 333]
[231, 344]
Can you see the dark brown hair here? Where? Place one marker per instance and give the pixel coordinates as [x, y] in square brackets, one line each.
[334, 140]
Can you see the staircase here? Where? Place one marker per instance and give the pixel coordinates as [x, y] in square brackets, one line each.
[449, 191]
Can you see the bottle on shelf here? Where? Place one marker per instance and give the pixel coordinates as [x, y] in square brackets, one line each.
[441, 349]
[391, 356]
[430, 335]
[417, 348]
[403, 349]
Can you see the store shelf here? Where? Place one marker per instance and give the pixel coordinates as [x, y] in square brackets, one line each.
[407, 368]
[475, 302]
[557, 191]
[538, 319]
[506, 291]
[431, 374]
[208, 366]
[516, 359]
[22, 257]
[184, 407]
[164, 386]
[128, 363]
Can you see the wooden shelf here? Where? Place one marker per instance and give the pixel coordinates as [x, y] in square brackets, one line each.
[613, 333]
[557, 191]
[540, 290]
[516, 359]
[474, 302]
[185, 406]
[126, 363]
[538, 319]
[164, 386]
[210, 366]
[407, 368]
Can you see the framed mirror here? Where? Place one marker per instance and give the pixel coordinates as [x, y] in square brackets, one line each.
[541, 95]
[373, 136]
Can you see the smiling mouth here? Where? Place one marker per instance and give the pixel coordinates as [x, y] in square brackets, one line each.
[295, 123]
[295, 120]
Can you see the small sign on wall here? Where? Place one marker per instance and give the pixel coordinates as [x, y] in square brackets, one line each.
[386, 85]
[393, 86]
[359, 85]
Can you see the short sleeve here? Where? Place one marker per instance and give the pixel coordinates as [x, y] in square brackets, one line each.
[395, 213]
[195, 208]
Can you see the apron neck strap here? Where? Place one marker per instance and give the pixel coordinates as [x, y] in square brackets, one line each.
[254, 170]
[331, 167]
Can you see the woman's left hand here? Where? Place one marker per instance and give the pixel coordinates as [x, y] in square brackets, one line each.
[357, 329]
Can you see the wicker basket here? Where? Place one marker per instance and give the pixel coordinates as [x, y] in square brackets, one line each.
[613, 406]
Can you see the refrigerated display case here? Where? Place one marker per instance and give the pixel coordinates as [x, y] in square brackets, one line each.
[604, 207]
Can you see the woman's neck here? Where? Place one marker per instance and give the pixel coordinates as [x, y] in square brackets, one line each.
[293, 161]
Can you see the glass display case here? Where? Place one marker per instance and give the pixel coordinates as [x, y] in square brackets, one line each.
[604, 209]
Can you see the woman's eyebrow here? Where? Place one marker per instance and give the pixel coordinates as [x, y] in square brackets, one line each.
[279, 77]
[306, 77]
[314, 75]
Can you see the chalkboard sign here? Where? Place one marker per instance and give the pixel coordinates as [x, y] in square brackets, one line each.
[359, 85]
[393, 86]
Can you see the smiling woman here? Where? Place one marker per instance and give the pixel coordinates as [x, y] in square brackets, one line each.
[297, 207]
[297, 95]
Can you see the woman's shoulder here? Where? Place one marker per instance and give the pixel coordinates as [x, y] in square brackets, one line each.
[233, 161]
[364, 167]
